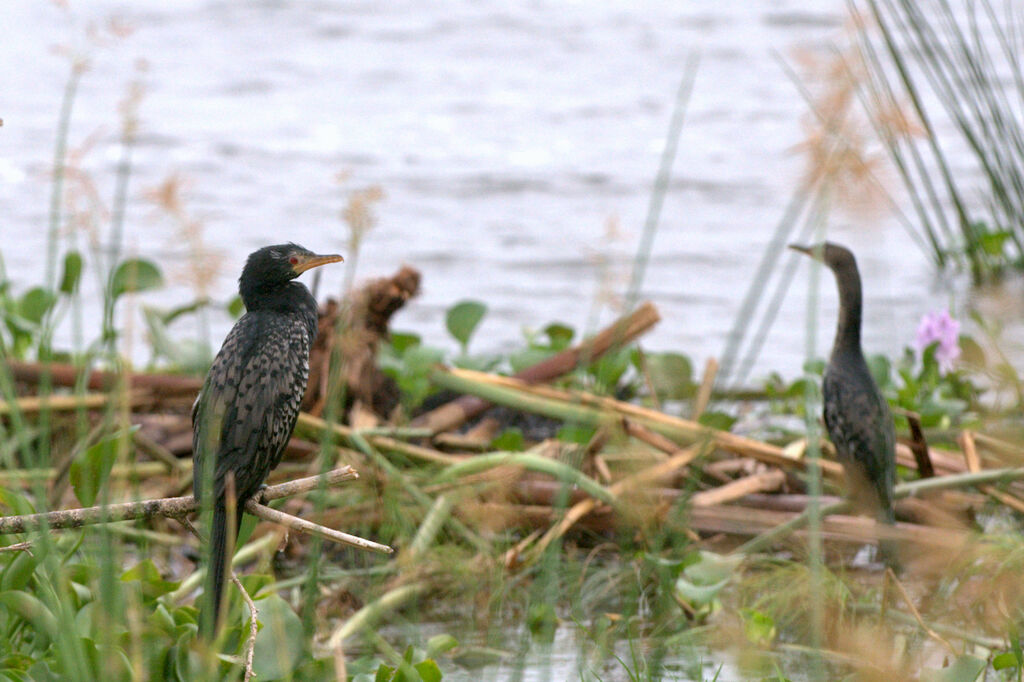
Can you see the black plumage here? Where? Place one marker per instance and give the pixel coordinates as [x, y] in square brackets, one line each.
[246, 410]
[857, 416]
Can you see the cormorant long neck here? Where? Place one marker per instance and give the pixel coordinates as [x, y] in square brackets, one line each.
[848, 328]
[282, 297]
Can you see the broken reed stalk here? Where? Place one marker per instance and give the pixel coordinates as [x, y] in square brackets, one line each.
[308, 424]
[584, 507]
[780, 532]
[66, 403]
[61, 374]
[973, 462]
[594, 410]
[176, 507]
[617, 335]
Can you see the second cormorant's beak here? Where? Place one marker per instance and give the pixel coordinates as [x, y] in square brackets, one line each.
[815, 253]
[308, 262]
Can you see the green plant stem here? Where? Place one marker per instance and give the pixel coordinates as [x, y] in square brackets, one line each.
[657, 198]
[563, 472]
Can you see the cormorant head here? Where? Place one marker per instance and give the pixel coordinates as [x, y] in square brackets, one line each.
[274, 266]
[837, 258]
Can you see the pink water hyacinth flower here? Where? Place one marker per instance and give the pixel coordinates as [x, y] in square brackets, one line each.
[940, 326]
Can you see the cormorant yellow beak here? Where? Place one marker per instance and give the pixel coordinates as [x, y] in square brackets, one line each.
[304, 263]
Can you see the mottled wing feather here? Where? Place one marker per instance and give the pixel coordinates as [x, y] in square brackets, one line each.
[250, 400]
[861, 428]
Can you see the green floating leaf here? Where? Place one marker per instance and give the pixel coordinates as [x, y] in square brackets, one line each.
[511, 439]
[428, 670]
[572, 433]
[35, 303]
[235, 307]
[671, 375]
[1005, 661]
[963, 669]
[717, 420]
[438, 644]
[462, 320]
[153, 584]
[280, 642]
[72, 272]
[90, 470]
[759, 627]
[135, 275]
[698, 595]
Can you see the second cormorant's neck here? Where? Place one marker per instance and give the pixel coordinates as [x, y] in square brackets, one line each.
[848, 328]
[289, 297]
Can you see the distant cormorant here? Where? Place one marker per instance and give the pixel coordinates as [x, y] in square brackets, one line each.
[246, 410]
[856, 414]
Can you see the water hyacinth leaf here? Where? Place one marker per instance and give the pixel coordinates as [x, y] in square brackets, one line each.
[559, 335]
[1005, 661]
[135, 275]
[279, 643]
[90, 470]
[72, 272]
[713, 568]
[402, 341]
[35, 303]
[671, 375]
[462, 320]
[963, 669]
[235, 307]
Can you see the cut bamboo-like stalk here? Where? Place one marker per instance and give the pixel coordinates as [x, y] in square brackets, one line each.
[595, 410]
[758, 483]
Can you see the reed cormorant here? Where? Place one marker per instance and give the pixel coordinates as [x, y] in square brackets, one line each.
[246, 410]
[857, 416]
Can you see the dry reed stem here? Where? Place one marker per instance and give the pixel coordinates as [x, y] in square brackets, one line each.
[318, 425]
[766, 481]
[707, 384]
[66, 403]
[584, 507]
[973, 461]
[689, 429]
[891, 576]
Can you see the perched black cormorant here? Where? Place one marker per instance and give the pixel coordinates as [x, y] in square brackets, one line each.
[246, 410]
[856, 414]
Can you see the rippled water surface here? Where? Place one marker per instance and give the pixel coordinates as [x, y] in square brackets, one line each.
[516, 144]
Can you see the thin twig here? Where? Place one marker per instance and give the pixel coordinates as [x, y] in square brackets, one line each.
[303, 526]
[250, 642]
[171, 507]
[917, 615]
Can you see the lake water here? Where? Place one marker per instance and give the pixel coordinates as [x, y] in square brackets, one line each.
[507, 138]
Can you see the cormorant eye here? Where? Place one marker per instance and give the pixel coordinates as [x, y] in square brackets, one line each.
[293, 260]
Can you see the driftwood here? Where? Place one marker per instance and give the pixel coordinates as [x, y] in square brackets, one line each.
[619, 334]
[102, 380]
[351, 334]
